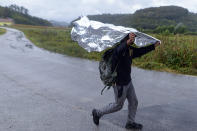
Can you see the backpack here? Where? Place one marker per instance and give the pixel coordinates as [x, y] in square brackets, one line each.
[108, 77]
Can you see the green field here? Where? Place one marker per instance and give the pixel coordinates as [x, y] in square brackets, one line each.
[177, 53]
[2, 31]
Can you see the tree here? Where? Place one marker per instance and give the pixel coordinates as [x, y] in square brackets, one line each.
[26, 11]
[19, 9]
[6, 12]
[180, 30]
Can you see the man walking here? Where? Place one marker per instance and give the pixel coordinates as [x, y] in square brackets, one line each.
[123, 88]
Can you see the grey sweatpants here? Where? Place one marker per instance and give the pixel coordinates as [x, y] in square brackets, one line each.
[128, 92]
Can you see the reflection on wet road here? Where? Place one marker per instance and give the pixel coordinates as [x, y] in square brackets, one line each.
[43, 91]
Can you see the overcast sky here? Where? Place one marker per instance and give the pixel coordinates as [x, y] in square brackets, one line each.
[67, 10]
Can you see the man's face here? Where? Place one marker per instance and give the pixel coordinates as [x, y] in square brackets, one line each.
[131, 39]
[132, 35]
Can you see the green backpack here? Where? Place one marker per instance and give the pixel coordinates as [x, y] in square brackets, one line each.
[108, 77]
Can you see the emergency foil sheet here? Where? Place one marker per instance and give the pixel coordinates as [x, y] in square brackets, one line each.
[97, 36]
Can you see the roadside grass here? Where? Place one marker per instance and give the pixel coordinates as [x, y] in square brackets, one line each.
[2, 31]
[177, 53]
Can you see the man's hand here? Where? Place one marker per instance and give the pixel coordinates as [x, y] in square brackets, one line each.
[131, 39]
[157, 43]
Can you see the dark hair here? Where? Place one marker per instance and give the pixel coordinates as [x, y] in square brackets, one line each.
[125, 38]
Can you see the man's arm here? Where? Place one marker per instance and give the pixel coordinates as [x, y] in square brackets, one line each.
[138, 52]
[125, 44]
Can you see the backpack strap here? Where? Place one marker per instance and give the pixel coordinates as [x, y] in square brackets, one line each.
[103, 90]
[108, 87]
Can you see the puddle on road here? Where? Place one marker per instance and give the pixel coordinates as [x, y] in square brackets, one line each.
[16, 40]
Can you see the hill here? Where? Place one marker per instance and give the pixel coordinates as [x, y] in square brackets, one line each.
[59, 23]
[151, 18]
[20, 16]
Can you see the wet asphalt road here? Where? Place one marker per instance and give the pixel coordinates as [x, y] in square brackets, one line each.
[43, 91]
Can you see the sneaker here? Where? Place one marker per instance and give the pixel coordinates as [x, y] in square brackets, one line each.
[95, 117]
[134, 125]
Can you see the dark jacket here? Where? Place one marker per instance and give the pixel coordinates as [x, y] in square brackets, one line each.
[123, 60]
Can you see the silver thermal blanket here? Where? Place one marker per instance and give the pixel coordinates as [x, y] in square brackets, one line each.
[97, 36]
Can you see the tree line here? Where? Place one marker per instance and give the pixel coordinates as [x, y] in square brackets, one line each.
[154, 19]
[20, 15]
[19, 9]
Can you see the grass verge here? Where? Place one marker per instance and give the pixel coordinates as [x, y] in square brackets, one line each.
[2, 31]
[177, 53]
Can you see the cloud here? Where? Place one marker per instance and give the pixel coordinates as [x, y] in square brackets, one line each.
[67, 10]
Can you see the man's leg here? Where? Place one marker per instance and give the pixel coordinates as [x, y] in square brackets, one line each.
[132, 103]
[132, 108]
[120, 93]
